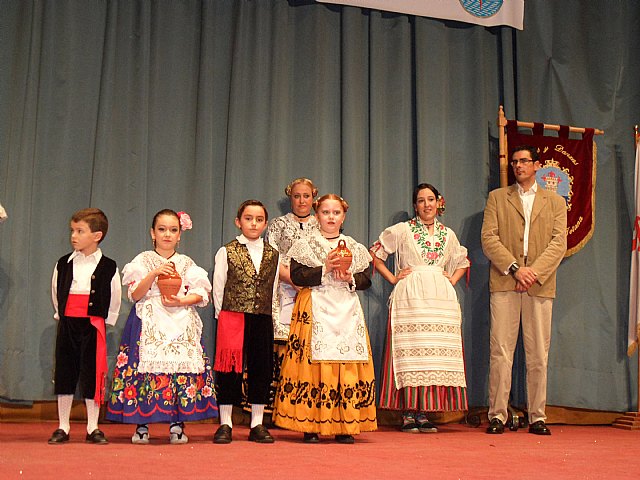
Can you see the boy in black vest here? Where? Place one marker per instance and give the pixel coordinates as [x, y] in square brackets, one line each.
[85, 291]
[243, 283]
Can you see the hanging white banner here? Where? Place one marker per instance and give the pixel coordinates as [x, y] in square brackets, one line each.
[481, 12]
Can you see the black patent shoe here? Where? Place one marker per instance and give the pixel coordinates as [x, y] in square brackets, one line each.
[223, 434]
[96, 437]
[346, 439]
[311, 438]
[260, 434]
[59, 436]
[496, 426]
[539, 428]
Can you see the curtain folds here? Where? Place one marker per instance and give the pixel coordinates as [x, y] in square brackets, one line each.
[198, 105]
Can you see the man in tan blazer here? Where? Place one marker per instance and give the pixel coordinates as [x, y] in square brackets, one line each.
[524, 237]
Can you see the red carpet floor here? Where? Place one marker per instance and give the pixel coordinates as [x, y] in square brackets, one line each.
[457, 451]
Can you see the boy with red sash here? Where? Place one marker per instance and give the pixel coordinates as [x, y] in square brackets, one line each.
[243, 283]
[85, 290]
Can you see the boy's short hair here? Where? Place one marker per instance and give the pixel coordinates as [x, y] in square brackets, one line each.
[252, 203]
[95, 218]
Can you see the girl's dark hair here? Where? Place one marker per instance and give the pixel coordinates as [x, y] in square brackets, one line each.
[166, 211]
[422, 186]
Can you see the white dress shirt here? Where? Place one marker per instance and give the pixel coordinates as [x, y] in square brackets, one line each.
[527, 199]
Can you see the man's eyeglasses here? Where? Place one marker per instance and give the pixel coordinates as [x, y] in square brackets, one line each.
[522, 161]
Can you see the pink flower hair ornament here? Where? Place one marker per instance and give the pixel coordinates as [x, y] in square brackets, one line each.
[185, 221]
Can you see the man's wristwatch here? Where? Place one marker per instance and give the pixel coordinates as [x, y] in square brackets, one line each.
[513, 268]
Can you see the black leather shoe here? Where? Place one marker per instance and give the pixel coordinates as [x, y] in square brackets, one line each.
[223, 434]
[346, 439]
[311, 438]
[260, 434]
[97, 437]
[539, 428]
[59, 436]
[496, 426]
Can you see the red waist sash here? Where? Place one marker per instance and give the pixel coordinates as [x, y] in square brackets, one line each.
[78, 306]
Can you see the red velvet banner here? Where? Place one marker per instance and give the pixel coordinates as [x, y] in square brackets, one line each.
[569, 169]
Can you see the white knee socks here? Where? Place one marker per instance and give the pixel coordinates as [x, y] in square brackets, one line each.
[93, 412]
[64, 411]
[257, 412]
[225, 414]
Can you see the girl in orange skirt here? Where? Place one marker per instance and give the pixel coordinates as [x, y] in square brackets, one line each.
[327, 384]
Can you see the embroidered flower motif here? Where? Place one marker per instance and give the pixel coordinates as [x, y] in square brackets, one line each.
[430, 253]
[185, 221]
[191, 391]
[122, 359]
[130, 392]
[207, 391]
[199, 383]
[182, 379]
[161, 381]
[167, 395]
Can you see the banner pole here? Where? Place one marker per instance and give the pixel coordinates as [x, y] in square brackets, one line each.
[502, 141]
[547, 126]
[631, 420]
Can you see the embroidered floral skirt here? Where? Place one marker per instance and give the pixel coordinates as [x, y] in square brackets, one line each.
[156, 397]
[428, 398]
[323, 398]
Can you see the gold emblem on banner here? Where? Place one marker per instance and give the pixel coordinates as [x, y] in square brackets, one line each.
[556, 178]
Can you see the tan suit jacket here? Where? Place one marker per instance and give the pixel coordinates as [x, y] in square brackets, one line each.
[503, 238]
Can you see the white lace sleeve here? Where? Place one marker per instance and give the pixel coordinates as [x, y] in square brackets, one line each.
[456, 254]
[388, 242]
[361, 257]
[197, 280]
[132, 273]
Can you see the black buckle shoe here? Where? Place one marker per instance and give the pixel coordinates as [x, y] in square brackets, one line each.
[496, 426]
[96, 437]
[260, 434]
[223, 434]
[539, 428]
[58, 436]
[311, 438]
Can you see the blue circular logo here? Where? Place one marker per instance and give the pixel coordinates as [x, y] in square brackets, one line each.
[482, 8]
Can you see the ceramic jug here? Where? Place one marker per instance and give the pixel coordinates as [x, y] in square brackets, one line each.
[346, 257]
[170, 284]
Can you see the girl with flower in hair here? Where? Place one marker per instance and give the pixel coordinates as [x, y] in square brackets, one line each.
[423, 369]
[162, 373]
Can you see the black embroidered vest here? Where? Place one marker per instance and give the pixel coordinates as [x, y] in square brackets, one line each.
[247, 291]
